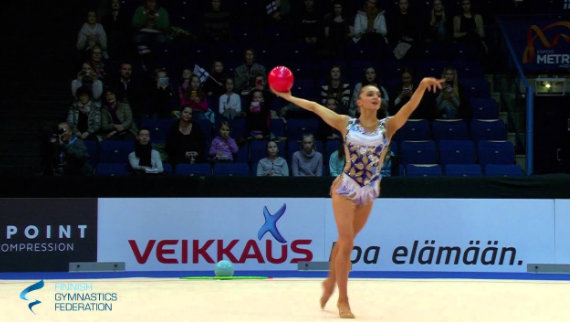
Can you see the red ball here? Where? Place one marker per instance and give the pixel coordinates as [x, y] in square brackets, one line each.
[281, 79]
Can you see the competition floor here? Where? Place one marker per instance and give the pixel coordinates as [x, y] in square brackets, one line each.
[296, 299]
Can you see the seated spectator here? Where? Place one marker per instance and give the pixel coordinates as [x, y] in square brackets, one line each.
[87, 78]
[92, 34]
[337, 89]
[223, 146]
[97, 63]
[185, 140]
[145, 160]
[214, 86]
[118, 27]
[370, 25]
[403, 30]
[468, 27]
[151, 23]
[161, 95]
[278, 12]
[245, 73]
[216, 22]
[194, 96]
[129, 89]
[84, 116]
[325, 131]
[273, 165]
[439, 29]
[403, 93]
[309, 23]
[370, 77]
[337, 31]
[307, 161]
[230, 102]
[451, 102]
[337, 160]
[117, 119]
[386, 170]
[66, 154]
[257, 116]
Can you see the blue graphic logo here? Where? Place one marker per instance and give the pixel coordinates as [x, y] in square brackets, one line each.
[270, 224]
[33, 287]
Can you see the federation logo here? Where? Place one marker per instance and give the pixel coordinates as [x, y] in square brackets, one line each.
[33, 287]
[270, 224]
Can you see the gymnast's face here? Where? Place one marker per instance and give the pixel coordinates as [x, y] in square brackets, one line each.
[369, 98]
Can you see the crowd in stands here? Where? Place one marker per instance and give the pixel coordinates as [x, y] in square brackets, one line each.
[180, 88]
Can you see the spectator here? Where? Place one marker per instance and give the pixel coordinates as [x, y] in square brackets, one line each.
[370, 25]
[92, 34]
[118, 26]
[468, 27]
[66, 154]
[185, 140]
[117, 119]
[439, 27]
[325, 131]
[84, 116]
[97, 63]
[214, 86]
[129, 89]
[337, 31]
[145, 160]
[426, 108]
[309, 23]
[195, 97]
[272, 165]
[246, 72]
[216, 22]
[278, 11]
[87, 78]
[257, 116]
[337, 160]
[370, 77]
[230, 102]
[403, 30]
[307, 161]
[161, 95]
[451, 102]
[223, 146]
[337, 89]
[151, 22]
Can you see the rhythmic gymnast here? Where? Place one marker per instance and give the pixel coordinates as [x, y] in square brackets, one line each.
[354, 190]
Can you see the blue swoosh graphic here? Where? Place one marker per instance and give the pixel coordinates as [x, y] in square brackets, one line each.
[33, 287]
[270, 224]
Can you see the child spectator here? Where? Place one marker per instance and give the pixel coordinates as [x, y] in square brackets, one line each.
[307, 161]
[272, 165]
[258, 116]
[223, 146]
[92, 34]
[230, 102]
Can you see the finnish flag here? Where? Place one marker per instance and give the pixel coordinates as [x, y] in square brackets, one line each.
[201, 72]
[271, 7]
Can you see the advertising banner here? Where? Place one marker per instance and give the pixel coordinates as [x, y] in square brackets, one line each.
[541, 44]
[47, 234]
[562, 230]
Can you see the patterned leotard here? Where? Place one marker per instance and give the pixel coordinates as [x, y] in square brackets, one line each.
[360, 180]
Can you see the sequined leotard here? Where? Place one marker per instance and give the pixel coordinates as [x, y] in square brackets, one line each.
[360, 180]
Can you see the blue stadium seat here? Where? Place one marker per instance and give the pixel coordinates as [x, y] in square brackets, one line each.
[197, 169]
[423, 170]
[297, 127]
[242, 156]
[206, 127]
[115, 151]
[239, 128]
[305, 88]
[430, 68]
[414, 130]
[278, 127]
[450, 130]
[488, 130]
[476, 87]
[456, 152]
[158, 127]
[495, 152]
[93, 151]
[330, 147]
[231, 169]
[504, 170]
[112, 169]
[484, 108]
[463, 170]
[418, 152]
[468, 69]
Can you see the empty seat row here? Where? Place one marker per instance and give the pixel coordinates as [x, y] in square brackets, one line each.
[457, 152]
[463, 170]
[476, 129]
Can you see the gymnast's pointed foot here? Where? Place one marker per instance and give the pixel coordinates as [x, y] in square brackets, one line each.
[328, 289]
[344, 311]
